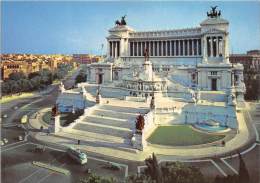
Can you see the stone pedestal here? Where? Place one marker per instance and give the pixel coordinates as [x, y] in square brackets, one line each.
[98, 99]
[139, 141]
[55, 124]
[231, 99]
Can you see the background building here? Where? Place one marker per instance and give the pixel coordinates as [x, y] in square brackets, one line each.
[251, 63]
[86, 58]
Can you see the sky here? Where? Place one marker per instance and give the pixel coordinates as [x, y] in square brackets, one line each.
[67, 27]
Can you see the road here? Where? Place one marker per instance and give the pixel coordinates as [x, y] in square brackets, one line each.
[17, 156]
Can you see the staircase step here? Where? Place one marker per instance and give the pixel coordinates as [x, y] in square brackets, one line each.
[100, 142]
[114, 122]
[113, 114]
[96, 136]
[124, 109]
[105, 126]
[101, 130]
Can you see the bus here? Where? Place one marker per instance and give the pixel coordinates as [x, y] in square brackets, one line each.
[24, 119]
[77, 155]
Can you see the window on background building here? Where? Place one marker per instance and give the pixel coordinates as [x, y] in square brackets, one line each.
[236, 78]
[214, 73]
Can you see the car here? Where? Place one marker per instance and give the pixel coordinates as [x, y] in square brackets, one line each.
[15, 107]
[5, 140]
[20, 138]
[2, 143]
[5, 115]
[39, 148]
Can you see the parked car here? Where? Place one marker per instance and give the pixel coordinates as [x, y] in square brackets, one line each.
[39, 148]
[15, 107]
[2, 143]
[20, 138]
[5, 115]
[5, 140]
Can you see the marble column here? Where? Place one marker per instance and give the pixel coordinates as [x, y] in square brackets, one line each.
[171, 48]
[205, 49]
[211, 46]
[166, 49]
[217, 47]
[142, 49]
[113, 49]
[108, 48]
[116, 49]
[197, 47]
[179, 49]
[153, 42]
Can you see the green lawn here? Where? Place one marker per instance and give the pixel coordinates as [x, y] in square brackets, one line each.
[47, 117]
[181, 135]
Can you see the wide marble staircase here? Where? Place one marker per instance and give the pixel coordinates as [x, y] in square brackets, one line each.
[109, 125]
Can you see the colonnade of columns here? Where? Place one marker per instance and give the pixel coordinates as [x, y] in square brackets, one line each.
[215, 46]
[114, 49]
[183, 47]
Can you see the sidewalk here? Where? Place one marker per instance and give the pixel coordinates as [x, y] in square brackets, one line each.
[171, 153]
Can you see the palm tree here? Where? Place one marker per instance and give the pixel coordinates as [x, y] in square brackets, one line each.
[154, 169]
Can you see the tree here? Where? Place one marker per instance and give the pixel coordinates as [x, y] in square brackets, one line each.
[98, 179]
[81, 77]
[36, 82]
[17, 76]
[142, 178]
[180, 173]
[33, 74]
[5, 88]
[14, 87]
[154, 169]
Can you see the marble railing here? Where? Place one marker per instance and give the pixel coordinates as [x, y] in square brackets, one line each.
[167, 33]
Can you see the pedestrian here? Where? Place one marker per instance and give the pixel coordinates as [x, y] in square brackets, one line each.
[78, 142]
